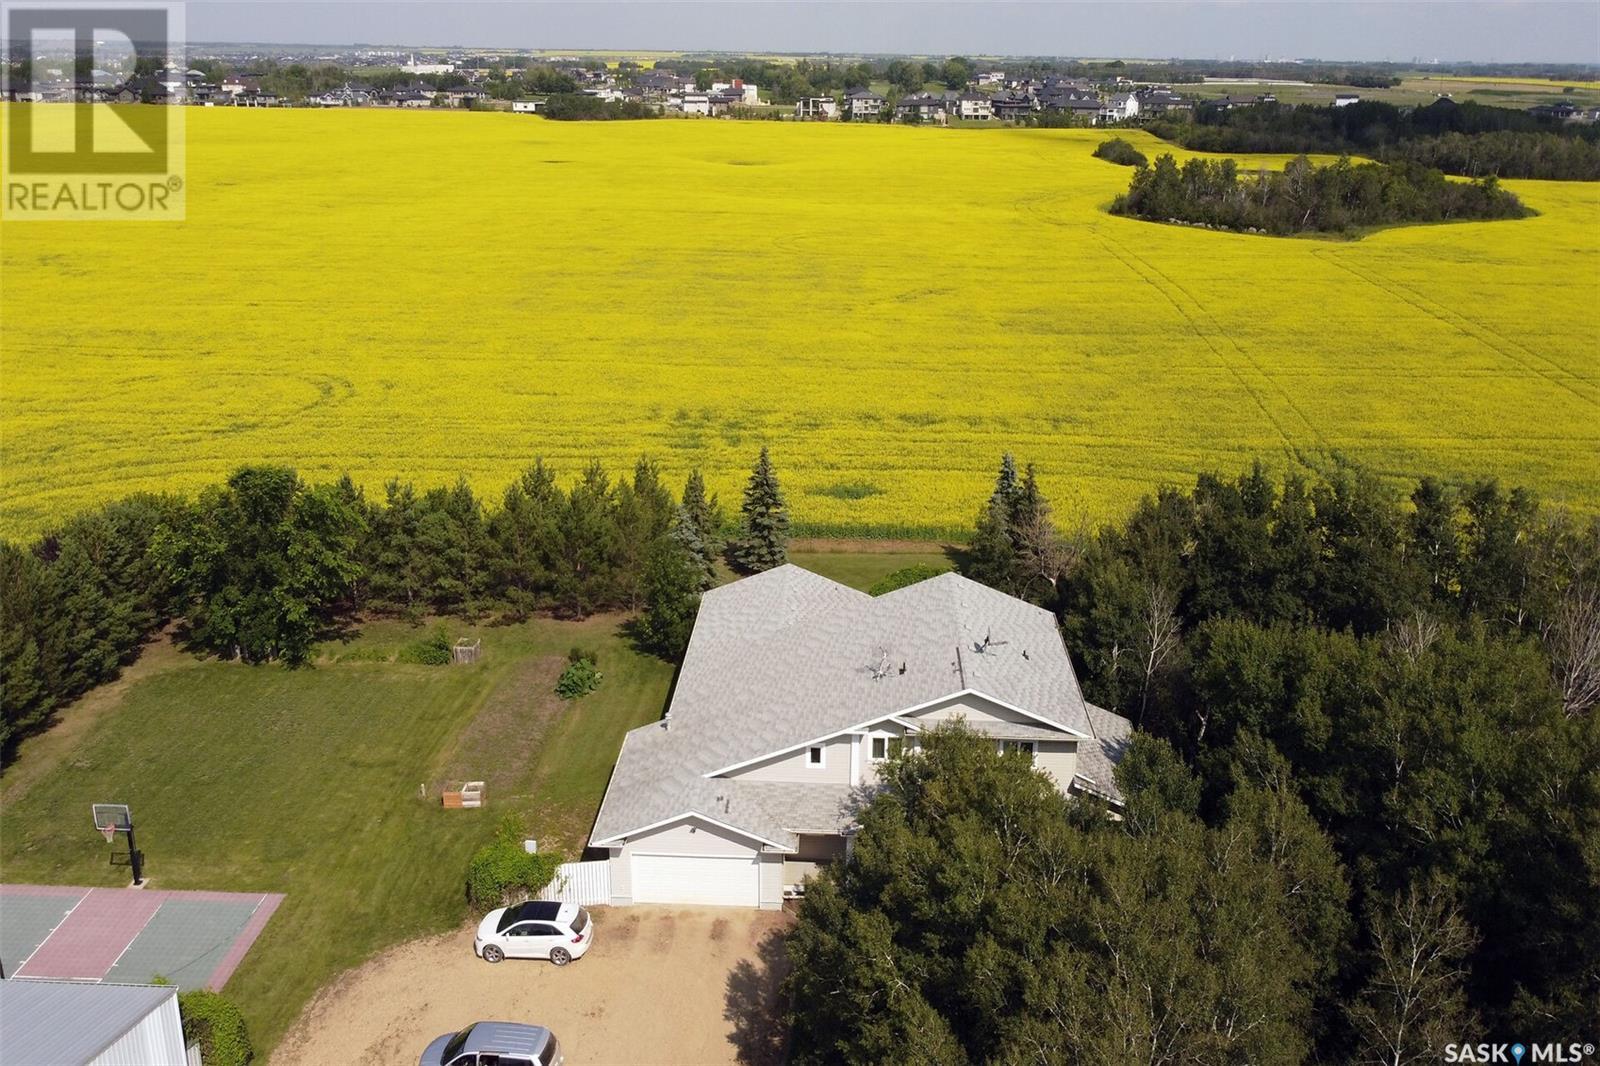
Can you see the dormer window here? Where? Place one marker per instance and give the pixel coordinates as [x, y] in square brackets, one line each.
[816, 757]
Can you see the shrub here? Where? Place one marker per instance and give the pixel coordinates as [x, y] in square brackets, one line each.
[431, 650]
[580, 678]
[1119, 151]
[909, 575]
[502, 872]
[212, 1021]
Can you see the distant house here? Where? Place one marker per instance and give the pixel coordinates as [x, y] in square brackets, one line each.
[974, 107]
[1562, 111]
[923, 107]
[527, 107]
[864, 103]
[1012, 105]
[747, 92]
[464, 94]
[125, 93]
[347, 95]
[1160, 100]
[818, 108]
[413, 99]
[256, 98]
[794, 693]
[1120, 108]
[1230, 103]
[693, 103]
[1346, 99]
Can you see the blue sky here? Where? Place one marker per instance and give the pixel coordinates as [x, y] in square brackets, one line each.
[1527, 31]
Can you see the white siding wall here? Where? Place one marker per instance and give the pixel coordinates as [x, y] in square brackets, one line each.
[869, 769]
[621, 878]
[794, 767]
[771, 881]
[975, 709]
[690, 837]
[1059, 759]
[155, 1041]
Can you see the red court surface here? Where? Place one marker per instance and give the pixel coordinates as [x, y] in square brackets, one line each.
[129, 935]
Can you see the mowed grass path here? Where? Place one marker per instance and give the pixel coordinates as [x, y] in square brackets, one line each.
[306, 782]
[889, 308]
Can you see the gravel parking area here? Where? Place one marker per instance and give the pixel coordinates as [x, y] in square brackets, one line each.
[661, 985]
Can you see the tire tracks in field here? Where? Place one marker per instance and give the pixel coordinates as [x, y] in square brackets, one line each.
[1198, 317]
[1486, 335]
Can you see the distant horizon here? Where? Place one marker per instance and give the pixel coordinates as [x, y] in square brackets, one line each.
[600, 50]
[1407, 32]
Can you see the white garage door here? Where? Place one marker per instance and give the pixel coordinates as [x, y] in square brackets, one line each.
[729, 881]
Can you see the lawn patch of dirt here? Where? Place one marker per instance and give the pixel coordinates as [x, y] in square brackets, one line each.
[501, 744]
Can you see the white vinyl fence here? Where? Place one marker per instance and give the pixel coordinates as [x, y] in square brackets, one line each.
[585, 883]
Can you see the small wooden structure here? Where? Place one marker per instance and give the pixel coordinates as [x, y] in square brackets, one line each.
[469, 795]
[466, 651]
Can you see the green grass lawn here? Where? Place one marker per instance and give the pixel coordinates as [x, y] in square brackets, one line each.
[306, 782]
[861, 569]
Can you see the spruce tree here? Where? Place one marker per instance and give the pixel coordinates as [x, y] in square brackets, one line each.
[991, 557]
[699, 527]
[764, 521]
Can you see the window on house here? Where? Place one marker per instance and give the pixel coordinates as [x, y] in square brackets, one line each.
[814, 757]
[1025, 746]
[885, 747]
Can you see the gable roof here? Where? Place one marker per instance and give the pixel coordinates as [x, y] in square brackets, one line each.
[788, 657]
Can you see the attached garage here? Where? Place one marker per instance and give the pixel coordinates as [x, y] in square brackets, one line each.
[719, 880]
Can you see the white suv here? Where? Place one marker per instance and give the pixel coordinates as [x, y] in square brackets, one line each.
[537, 929]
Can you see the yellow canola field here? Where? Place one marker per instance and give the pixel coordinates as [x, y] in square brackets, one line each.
[430, 295]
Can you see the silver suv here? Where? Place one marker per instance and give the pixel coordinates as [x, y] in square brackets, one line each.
[495, 1044]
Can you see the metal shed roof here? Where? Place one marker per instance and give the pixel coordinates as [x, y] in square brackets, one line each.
[70, 1022]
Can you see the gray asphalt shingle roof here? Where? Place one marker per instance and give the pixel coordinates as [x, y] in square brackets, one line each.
[788, 657]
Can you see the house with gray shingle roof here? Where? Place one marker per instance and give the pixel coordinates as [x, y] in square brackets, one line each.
[793, 690]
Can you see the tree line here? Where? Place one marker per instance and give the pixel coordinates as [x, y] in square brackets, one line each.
[1362, 815]
[1470, 140]
[259, 568]
[1337, 198]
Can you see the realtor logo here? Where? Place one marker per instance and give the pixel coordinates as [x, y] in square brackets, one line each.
[81, 141]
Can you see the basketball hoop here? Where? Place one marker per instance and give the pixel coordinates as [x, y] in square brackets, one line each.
[109, 832]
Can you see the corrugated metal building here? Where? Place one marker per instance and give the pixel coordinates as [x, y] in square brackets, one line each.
[69, 1023]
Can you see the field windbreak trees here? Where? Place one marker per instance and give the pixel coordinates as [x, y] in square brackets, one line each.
[262, 562]
[764, 521]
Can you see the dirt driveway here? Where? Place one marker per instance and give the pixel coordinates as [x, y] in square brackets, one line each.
[661, 985]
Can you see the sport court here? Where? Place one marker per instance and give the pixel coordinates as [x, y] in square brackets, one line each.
[129, 935]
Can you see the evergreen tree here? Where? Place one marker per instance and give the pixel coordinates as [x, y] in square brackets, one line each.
[703, 537]
[672, 586]
[585, 578]
[764, 521]
[992, 557]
